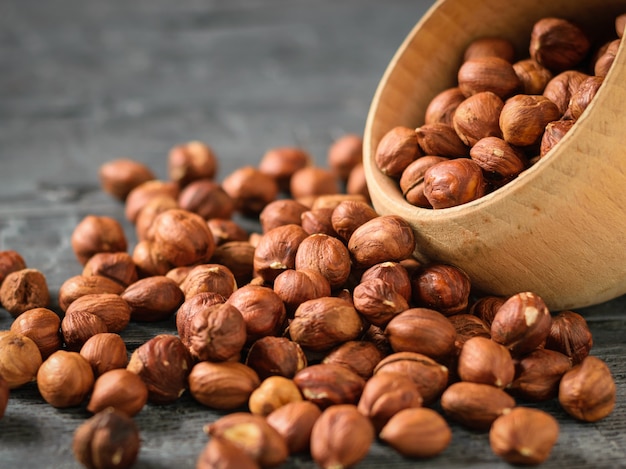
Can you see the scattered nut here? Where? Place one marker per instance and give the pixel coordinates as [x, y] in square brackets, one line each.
[484, 361]
[329, 384]
[120, 389]
[154, 298]
[65, 379]
[118, 177]
[191, 161]
[95, 234]
[275, 356]
[105, 351]
[41, 325]
[570, 335]
[273, 393]
[537, 375]
[19, 359]
[294, 421]
[224, 385]
[24, 289]
[221, 453]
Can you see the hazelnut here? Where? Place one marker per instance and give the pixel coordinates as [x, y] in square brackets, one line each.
[533, 76]
[281, 212]
[570, 335]
[453, 182]
[478, 116]
[492, 74]
[118, 266]
[294, 422]
[553, 134]
[275, 356]
[41, 325]
[384, 238]
[118, 177]
[105, 351]
[276, 251]
[139, 197]
[219, 452]
[120, 389]
[581, 98]
[318, 221]
[10, 261]
[604, 62]
[282, 162]
[297, 286]
[113, 309]
[313, 181]
[378, 301]
[329, 384]
[78, 326]
[238, 257]
[19, 359]
[24, 289]
[65, 379]
[223, 385]
[262, 309]
[273, 393]
[152, 299]
[190, 308]
[326, 255]
[486, 307]
[417, 432]
[206, 198]
[441, 140]
[412, 180]
[558, 44]
[191, 161]
[475, 405]
[341, 437]
[490, 46]
[152, 208]
[108, 439]
[349, 215]
[4, 396]
[250, 189]
[484, 361]
[163, 363]
[524, 436]
[524, 118]
[561, 87]
[498, 157]
[537, 375]
[225, 230]
[442, 287]
[391, 272]
[212, 277]
[344, 154]
[587, 392]
[357, 184]
[620, 25]
[396, 150]
[252, 435]
[95, 234]
[80, 285]
[468, 326]
[441, 108]
[358, 355]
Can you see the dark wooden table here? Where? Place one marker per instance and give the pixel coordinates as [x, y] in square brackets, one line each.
[82, 83]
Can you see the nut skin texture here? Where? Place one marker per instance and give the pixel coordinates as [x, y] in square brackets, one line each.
[163, 363]
[384, 238]
[273, 393]
[442, 287]
[524, 118]
[477, 117]
[250, 189]
[493, 74]
[562, 86]
[484, 361]
[475, 405]
[95, 234]
[105, 351]
[329, 384]
[152, 299]
[238, 257]
[468, 326]
[65, 379]
[582, 97]
[412, 180]
[118, 266]
[24, 289]
[453, 182]
[223, 386]
[149, 211]
[80, 285]
[498, 157]
[109, 439]
[120, 176]
[313, 181]
[524, 436]
[358, 355]
[344, 153]
[275, 356]
[440, 140]
[384, 395]
[558, 44]
[605, 61]
[490, 46]
[212, 277]
[421, 330]
[191, 161]
[533, 76]
[441, 108]
[417, 432]
[139, 197]
[587, 392]
[391, 272]
[341, 437]
[78, 326]
[282, 162]
[217, 333]
[294, 421]
[297, 286]
[486, 308]
[120, 389]
[522, 323]
[318, 221]
[41, 325]
[276, 251]
[327, 255]
[219, 453]
[225, 230]
[357, 184]
[206, 198]
[10, 261]
[19, 359]
[114, 311]
[262, 310]
[553, 134]
[281, 212]
[192, 307]
[396, 150]
[537, 375]
[349, 215]
[570, 335]
[253, 436]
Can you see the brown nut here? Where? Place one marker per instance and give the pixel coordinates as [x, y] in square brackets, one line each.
[537, 375]
[191, 161]
[10, 261]
[392, 272]
[558, 44]
[80, 285]
[297, 286]
[492, 74]
[323, 323]
[163, 363]
[430, 377]
[118, 266]
[24, 289]
[385, 394]
[328, 384]
[357, 184]
[524, 436]
[524, 118]
[113, 309]
[273, 393]
[253, 436]
[318, 220]
[313, 181]
[441, 140]
[522, 323]
[605, 61]
[441, 108]
[326, 255]
[250, 189]
[486, 307]
[533, 76]
[412, 180]
[238, 257]
[561, 87]
[154, 298]
[417, 432]
[475, 405]
[212, 277]
[490, 46]
[358, 355]
[105, 351]
[4, 396]
[120, 389]
[224, 385]
[468, 326]
[421, 330]
[262, 309]
[206, 198]
[341, 437]
[553, 134]
[442, 287]
[396, 150]
[276, 251]
[108, 439]
[190, 308]
[275, 356]
[498, 158]
[570, 335]
[453, 182]
[65, 379]
[149, 211]
[219, 452]
[282, 162]
[384, 238]
[95, 234]
[19, 359]
[484, 361]
[139, 197]
[587, 392]
[41, 325]
[294, 421]
[78, 326]
[349, 215]
[582, 97]
[226, 230]
[120, 176]
[281, 212]
[216, 333]
[477, 117]
[344, 154]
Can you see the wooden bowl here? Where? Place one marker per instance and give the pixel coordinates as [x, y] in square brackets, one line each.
[559, 229]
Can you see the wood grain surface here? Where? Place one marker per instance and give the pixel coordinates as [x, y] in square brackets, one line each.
[83, 82]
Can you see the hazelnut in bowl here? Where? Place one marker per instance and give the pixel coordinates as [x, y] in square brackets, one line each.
[549, 215]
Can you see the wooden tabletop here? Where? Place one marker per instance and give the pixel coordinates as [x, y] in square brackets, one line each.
[82, 83]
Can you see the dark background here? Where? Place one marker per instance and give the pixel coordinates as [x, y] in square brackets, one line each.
[82, 83]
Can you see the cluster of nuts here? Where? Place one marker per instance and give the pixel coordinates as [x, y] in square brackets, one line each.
[320, 333]
[503, 115]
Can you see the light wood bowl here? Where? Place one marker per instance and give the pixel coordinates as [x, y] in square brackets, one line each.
[559, 229]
